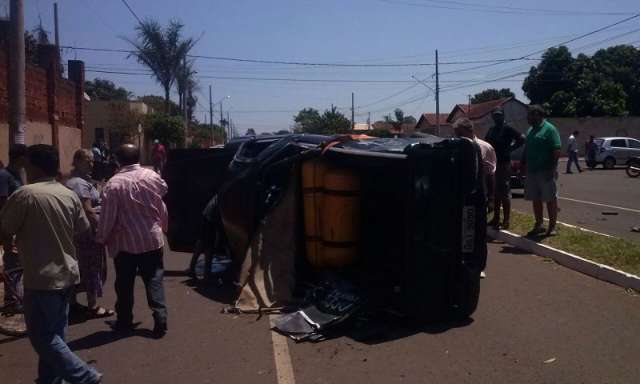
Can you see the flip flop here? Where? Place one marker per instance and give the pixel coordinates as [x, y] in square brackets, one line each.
[99, 312]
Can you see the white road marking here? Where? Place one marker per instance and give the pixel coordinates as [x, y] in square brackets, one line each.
[600, 205]
[284, 367]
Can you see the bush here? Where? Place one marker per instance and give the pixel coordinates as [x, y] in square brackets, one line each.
[168, 129]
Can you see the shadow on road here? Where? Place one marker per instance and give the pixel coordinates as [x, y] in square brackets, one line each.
[101, 338]
[513, 250]
[220, 293]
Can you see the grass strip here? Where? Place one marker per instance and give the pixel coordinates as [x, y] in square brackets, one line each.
[612, 251]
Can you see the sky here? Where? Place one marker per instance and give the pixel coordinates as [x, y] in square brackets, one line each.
[362, 32]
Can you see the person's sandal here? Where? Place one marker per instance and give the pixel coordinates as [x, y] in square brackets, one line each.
[99, 312]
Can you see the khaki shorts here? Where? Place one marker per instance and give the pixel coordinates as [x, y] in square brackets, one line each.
[541, 186]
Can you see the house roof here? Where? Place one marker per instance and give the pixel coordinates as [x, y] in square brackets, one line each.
[477, 111]
[406, 127]
[430, 118]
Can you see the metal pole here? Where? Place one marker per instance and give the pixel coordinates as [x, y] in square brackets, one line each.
[437, 97]
[17, 102]
[353, 112]
[228, 124]
[211, 117]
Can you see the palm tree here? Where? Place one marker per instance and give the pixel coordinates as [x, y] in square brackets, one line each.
[162, 50]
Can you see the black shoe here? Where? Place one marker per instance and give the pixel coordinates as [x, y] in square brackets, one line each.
[159, 329]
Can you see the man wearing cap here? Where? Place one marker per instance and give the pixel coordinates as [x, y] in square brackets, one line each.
[504, 139]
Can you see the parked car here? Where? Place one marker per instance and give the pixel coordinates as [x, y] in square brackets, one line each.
[614, 151]
[518, 171]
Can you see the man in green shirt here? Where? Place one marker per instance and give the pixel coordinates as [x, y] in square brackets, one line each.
[44, 216]
[541, 157]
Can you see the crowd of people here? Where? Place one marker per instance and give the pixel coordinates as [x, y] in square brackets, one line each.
[61, 229]
[542, 152]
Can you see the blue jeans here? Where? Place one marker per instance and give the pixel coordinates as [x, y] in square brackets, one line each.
[46, 315]
[573, 158]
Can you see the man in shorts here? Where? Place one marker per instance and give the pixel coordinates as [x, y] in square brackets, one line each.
[504, 139]
[542, 149]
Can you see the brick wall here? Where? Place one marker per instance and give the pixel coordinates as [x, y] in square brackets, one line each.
[54, 105]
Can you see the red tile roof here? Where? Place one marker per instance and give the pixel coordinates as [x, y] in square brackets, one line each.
[431, 118]
[479, 110]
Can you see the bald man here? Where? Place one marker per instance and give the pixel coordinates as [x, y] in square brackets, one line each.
[132, 226]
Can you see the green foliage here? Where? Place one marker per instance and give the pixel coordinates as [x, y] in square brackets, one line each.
[157, 104]
[491, 94]
[163, 51]
[330, 122]
[99, 89]
[201, 135]
[605, 84]
[168, 129]
[380, 132]
[400, 119]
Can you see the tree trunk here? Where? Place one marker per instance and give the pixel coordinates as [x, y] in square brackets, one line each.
[167, 105]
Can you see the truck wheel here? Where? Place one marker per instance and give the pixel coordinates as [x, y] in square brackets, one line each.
[609, 163]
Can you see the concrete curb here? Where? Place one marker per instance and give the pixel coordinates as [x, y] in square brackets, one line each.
[577, 263]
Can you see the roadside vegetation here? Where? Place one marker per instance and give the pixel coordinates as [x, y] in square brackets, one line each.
[615, 252]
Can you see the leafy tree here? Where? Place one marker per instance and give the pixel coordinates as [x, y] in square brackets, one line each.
[330, 122]
[99, 89]
[550, 76]
[250, 132]
[335, 122]
[168, 129]
[491, 94]
[605, 84]
[380, 132]
[282, 132]
[162, 50]
[308, 120]
[157, 103]
[400, 119]
[201, 135]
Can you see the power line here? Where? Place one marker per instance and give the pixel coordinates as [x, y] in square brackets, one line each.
[313, 64]
[485, 8]
[131, 11]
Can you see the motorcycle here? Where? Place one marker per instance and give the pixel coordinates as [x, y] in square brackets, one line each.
[633, 167]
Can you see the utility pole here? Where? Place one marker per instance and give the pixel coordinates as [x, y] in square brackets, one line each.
[229, 124]
[184, 106]
[437, 97]
[469, 106]
[17, 102]
[369, 121]
[211, 116]
[55, 23]
[222, 122]
[353, 112]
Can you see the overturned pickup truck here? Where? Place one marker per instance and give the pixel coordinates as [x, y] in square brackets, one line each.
[402, 220]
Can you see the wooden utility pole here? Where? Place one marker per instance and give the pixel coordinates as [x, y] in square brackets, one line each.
[222, 122]
[17, 101]
[353, 112]
[184, 105]
[211, 117]
[437, 97]
[55, 25]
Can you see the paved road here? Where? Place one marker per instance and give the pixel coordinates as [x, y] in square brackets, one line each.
[531, 311]
[585, 196]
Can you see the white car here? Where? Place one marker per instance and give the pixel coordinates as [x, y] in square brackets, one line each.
[614, 151]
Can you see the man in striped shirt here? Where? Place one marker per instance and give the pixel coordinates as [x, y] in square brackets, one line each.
[132, 224]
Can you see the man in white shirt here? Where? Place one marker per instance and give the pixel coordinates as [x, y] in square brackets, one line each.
[572, 152]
